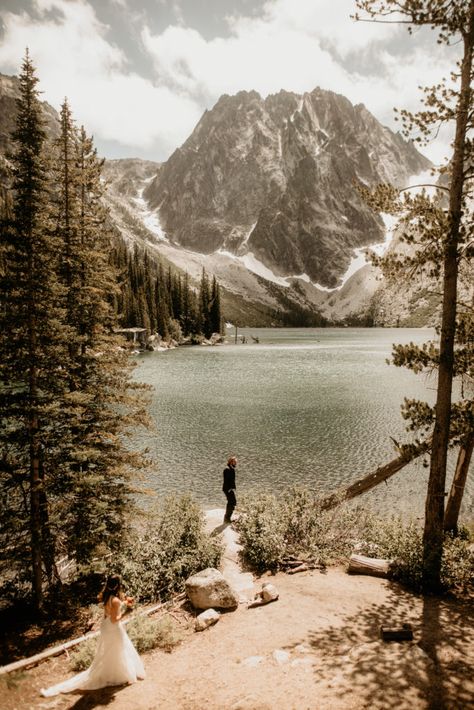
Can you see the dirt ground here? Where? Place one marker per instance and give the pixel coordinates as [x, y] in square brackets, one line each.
[318, 647]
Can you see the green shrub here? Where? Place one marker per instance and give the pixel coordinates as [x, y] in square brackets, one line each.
[262, 532]
[457, 566]
[83, 657]
[169, 633]
[172, 545]
[273, 528]
[399, 541]
[147, 633]
[402, 542]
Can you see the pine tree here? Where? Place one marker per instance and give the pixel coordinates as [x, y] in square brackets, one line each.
[32, 343]
[162, 308]
[67, 400]
[444, 237]
[98, 494]
[204, 306]
[215, 316]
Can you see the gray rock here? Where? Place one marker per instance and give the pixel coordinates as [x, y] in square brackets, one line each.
[206, 618]
[280, 656]
[209, 590]
[276, 177]
[269, 592]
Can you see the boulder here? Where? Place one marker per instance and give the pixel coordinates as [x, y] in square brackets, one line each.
[206, 618]
[209, 590]
[269, 592]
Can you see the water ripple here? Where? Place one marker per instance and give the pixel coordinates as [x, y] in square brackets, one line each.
[315, 407]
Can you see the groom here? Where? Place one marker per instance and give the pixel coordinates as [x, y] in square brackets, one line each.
[229, 488]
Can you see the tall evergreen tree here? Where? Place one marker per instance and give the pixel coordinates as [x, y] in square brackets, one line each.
[32, 338]
[215, 316]
[67, 400]
[204, 305]
[101, 402]
[188, 316]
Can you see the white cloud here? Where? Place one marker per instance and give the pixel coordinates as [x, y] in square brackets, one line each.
[74, 58]
[291, 47]
[294, 45]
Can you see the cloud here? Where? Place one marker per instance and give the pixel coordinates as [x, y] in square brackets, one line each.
[74, 57]
[298, 46]
[293, 44]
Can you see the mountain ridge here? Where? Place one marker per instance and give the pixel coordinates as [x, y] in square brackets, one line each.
[276, 177]
[259, 287]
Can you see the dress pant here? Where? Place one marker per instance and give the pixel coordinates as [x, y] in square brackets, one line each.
[231, 503]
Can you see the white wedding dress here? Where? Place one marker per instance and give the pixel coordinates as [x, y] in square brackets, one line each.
[116, 662]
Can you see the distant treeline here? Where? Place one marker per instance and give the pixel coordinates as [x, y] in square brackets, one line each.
[161, 300]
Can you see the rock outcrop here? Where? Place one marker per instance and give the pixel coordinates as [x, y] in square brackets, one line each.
[276, 178]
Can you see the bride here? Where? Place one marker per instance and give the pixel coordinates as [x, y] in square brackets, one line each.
[116, 661]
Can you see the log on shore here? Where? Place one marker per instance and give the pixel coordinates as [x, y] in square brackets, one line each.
[358, 564]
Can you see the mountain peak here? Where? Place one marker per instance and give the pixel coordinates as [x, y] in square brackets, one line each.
[276, 178]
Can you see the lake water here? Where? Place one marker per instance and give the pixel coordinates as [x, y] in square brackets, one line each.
[310, 406]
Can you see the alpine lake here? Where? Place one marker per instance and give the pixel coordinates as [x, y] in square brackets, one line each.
[316, 407]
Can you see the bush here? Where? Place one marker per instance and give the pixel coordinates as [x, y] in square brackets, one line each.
[457, 567]
[172, 546]
[147, 633]
[398, 541]
[83, 657]
[273, 528]
[402, 542]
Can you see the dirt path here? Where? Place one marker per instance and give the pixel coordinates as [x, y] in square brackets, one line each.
[317, 647]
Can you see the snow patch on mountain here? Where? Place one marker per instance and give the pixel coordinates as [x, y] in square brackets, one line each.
[150, 218]
[251, 263]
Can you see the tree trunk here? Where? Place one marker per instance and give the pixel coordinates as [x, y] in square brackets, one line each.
[453, 505]
[434, 508]
[375, 477]
[35, 504]
[34, 446]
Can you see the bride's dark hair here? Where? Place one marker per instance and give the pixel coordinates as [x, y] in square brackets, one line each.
[112, 588]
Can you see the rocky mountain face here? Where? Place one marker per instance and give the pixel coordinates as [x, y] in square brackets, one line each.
[262, 196]
[276, 178]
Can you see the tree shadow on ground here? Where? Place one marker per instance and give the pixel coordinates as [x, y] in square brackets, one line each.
[433, 671]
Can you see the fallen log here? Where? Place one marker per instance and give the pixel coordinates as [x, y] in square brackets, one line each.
[292, 564]
[375, 477]
[358, 564]
[300, 568]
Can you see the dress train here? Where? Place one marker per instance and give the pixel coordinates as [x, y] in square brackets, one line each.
[116, 662]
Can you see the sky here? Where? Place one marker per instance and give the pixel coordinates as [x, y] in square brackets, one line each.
[138, 74]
